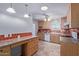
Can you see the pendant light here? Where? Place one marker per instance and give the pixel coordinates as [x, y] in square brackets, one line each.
[26, 15]
[11, 9]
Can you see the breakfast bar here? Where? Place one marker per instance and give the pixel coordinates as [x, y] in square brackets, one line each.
[69, 46]
[19, 46]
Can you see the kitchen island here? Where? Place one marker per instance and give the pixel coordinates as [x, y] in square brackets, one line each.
[69, 46]
[24, 45]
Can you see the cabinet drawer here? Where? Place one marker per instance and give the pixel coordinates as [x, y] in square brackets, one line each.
[18, 44]
[5, 51]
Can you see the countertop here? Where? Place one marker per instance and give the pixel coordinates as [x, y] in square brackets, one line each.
[68, 40]
[12, 41]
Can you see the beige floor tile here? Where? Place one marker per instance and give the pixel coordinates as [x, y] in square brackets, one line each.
[48, 49]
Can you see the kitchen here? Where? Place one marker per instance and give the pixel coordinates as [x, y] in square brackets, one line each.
[30, 29]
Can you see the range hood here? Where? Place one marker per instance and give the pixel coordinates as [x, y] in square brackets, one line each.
[46, 23]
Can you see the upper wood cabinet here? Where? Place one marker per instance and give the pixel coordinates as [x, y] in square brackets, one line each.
[73, 15]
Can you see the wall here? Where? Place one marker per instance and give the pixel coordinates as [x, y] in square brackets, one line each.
[36, 26]
[9, 24]
[69, 15]
[63, 21]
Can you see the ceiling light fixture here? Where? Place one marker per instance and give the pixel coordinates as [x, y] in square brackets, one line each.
[26, 15]
[44, 8]
[47, 18]
[44, 19]
[10, 9]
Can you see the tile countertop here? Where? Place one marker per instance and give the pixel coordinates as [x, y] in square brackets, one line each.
[68, 40]
[12, 41]
[65, 38]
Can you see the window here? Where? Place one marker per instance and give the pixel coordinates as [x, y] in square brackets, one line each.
[56, 24]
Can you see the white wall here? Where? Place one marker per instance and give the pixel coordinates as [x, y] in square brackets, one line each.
[36, 26]
[9, 24]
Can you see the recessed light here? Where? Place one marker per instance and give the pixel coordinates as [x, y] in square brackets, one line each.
[44, 8]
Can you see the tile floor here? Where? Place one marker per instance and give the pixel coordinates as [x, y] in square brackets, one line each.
[48, 49]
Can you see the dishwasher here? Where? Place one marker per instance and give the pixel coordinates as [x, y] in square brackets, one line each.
[16, 51]
[47, 36]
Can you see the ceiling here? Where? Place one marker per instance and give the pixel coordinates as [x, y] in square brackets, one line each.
[55, 10]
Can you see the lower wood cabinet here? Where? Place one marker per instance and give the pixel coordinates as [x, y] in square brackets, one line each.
[24, 48]
[31, 47]
[5, 51]
[55, 38]
[78, 49]
[69, 49]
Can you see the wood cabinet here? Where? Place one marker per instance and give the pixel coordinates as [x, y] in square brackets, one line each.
[78, 49]
[40, 24]
[69, 49]
[55, 38]
[31, 47]
[18, 44]
[5, 51]
[72, 16]
[26, 47]
[41, 36]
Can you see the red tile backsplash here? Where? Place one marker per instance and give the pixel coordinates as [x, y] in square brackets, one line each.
[14, 35]
[25, 34]
[2, 37]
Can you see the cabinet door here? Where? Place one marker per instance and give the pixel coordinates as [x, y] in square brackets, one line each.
[66, 49]
[75, 49]
[55, 38]
[5, 51]
[31, 47]
[78, 49]
[69, 49]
